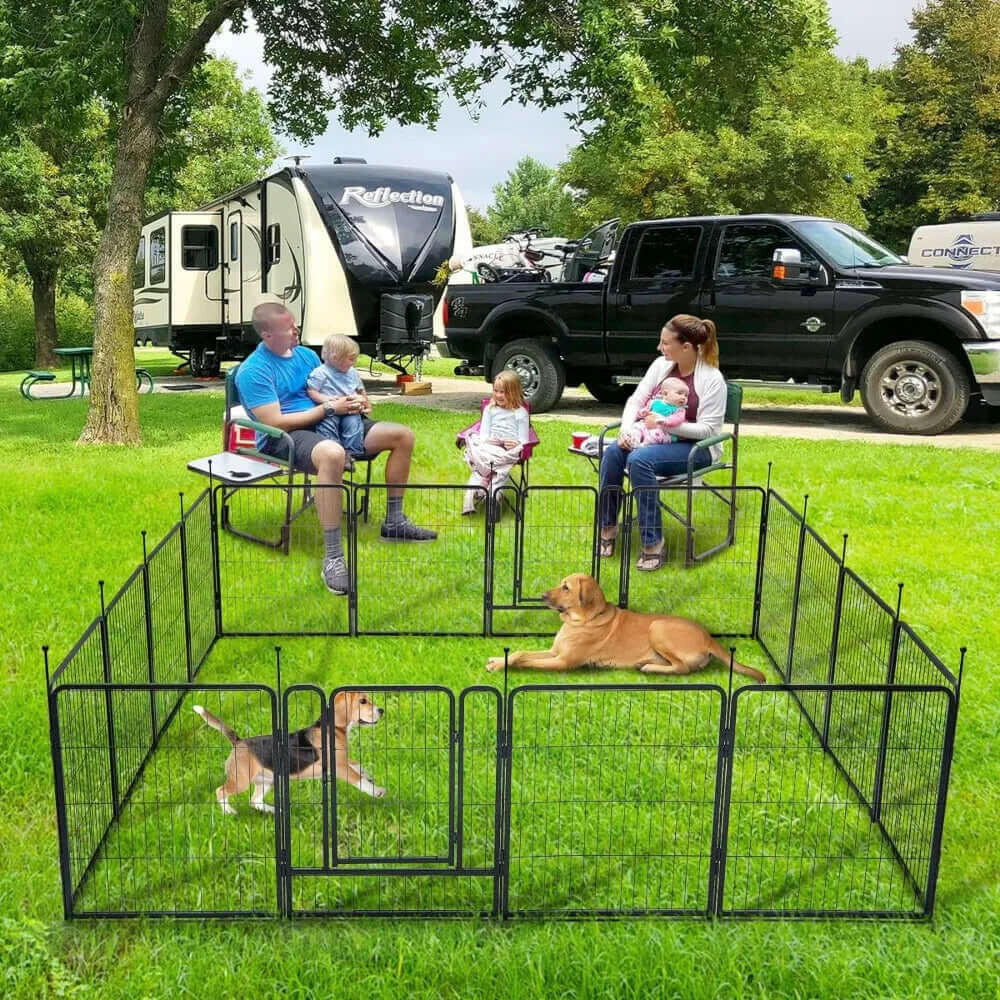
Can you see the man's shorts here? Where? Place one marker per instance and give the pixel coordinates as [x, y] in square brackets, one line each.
[304, 441]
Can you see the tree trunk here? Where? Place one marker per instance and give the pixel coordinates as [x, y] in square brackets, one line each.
[43, 292]
[113, 417]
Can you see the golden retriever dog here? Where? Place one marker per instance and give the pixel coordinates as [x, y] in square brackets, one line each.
[251, 763]
[600, 634]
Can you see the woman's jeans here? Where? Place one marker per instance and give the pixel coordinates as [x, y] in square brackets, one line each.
[644, 465]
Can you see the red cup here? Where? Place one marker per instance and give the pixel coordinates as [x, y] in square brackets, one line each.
[579, 437]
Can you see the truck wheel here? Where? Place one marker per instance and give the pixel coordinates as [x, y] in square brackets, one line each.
[915, 387]
[541, 372]
[608, 392]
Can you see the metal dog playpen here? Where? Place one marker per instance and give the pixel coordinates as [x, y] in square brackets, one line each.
[820, 795]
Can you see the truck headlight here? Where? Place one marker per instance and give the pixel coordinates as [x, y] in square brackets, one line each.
[985, 306]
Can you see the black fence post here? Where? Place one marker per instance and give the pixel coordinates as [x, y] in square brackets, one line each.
[795, 592]
[352, 548]
[947, 752]
[213, 509]
[281, 818]
[186, 593]
[147, 605]
[834, 643]
[883, 740]
[723, 792]
[489, 569]
[109, 706]
[758, 586]
[62, 826]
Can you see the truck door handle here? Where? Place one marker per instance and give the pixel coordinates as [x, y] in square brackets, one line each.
[626, 304]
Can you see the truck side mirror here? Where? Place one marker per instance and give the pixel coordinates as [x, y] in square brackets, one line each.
[786, 266]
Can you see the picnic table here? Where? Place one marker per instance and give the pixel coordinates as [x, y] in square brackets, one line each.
[79, 359]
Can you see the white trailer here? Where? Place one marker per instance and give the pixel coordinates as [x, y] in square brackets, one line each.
[960, 246]
[348, 247]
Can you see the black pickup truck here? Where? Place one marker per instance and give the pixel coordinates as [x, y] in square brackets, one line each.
[793, 297]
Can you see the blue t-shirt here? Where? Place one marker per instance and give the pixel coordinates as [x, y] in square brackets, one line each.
[266, 378]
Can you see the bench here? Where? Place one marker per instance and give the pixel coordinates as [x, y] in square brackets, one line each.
[31, 378]
[143, 377]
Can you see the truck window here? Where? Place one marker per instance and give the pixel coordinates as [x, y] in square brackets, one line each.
[139, 268]
[158, 256]
[665, 255]
[747, 250]
[199, 248]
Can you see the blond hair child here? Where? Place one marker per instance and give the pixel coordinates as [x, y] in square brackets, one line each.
[335, 379]
[493, 450]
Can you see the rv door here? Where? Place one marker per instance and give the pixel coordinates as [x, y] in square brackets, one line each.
[232, 310]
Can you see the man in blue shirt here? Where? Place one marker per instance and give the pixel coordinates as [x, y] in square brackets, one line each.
[272, 388]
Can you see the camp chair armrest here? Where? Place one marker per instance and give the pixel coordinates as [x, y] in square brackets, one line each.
[705, 443]
[269, 431]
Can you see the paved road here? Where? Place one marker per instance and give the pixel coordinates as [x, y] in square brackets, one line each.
[578, 406]
[841, 423]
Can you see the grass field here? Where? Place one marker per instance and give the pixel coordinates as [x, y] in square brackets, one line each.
[72, 516]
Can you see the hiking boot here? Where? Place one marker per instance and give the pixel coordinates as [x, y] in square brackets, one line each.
[335, 575]
[406, 531]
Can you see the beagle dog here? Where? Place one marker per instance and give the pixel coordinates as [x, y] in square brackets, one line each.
[604, 635]
[251, 763]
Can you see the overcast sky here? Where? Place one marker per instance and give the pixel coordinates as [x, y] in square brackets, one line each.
[479, 154]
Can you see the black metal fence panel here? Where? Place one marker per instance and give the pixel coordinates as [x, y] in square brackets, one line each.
[612, 795]
[718, 592]
[779, 570]
[264, 591]
[199, 580]
[171, 848]
[432, 587]
[798, 841]
[405, 817]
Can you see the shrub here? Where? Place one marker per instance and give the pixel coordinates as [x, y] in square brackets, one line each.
[74, 322]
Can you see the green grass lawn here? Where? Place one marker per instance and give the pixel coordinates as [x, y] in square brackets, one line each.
[73, 516]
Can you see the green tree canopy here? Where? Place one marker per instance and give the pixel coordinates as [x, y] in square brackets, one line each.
[942, 158]
[811, 128]
[531, 197]
[220, 138]
[51, 180]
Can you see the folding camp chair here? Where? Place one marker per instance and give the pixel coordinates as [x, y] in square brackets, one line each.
[692, 477]
[521, 468]
[241, 463]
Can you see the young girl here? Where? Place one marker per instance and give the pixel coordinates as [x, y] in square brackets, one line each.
[493, 450]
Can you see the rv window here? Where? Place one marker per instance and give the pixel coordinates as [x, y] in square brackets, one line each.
[274, 243]
[158, 256]
[139, 270]
[234, 241]
[199, 248]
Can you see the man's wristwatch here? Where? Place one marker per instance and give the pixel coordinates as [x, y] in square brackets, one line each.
[328, 406]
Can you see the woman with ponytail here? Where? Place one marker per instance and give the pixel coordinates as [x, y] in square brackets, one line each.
[689, 351]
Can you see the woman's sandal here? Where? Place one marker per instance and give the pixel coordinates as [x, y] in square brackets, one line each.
[650, 561]
[606, 547]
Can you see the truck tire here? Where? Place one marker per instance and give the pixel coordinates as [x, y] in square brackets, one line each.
[608, 392]
[915, 387]
[541, 372]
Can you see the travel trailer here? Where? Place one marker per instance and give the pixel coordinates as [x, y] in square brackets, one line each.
[960, 246]
[348, 247]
